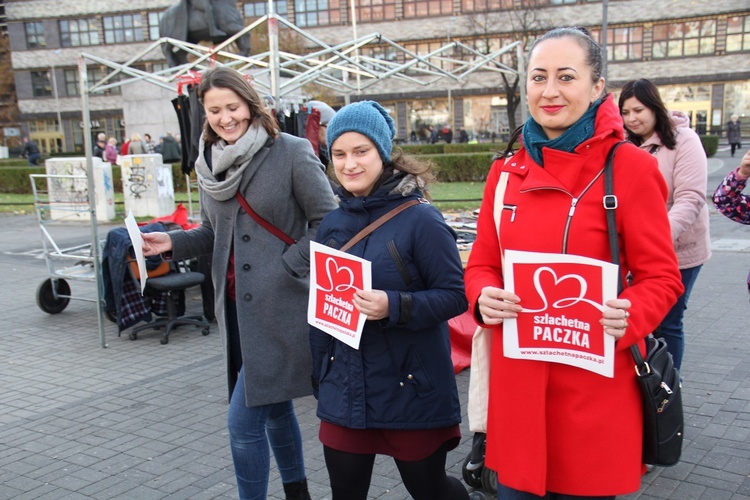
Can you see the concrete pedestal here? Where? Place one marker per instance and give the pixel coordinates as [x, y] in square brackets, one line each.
[147, 185]
[69, 197]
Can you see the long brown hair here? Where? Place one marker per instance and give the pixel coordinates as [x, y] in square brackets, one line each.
[420, 168]
[647, 93]
[228, 78]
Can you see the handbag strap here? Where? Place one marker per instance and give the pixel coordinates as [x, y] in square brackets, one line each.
[377, 223]
[502, 184]
[263, 222]
[610, 204]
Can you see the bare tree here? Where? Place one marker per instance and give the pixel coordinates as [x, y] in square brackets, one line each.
[523, 19]
[8, 101]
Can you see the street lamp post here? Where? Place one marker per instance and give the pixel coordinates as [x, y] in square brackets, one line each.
[57, 98]
[57, 101]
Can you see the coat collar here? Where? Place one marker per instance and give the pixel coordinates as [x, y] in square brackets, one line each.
[570, 172]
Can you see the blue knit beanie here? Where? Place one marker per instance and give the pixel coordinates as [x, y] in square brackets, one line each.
[367, 118]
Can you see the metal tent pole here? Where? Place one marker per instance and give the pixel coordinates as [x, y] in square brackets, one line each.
[89, 151]
[273, 47]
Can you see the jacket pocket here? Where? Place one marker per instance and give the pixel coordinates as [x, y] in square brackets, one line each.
[416, 376]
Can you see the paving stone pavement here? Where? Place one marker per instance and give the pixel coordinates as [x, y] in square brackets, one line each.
[141, 420]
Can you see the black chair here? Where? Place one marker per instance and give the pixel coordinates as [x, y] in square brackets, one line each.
[172, 279]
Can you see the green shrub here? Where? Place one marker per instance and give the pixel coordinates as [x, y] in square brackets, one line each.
[454, 147]
[468, 167]
[479, 147]
[422, 149]
[16, 179]
[710, 144]
[17, 162]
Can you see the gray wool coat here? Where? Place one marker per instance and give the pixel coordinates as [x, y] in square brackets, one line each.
[286, 185]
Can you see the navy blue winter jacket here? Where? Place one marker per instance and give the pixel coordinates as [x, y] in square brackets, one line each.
[402, 376]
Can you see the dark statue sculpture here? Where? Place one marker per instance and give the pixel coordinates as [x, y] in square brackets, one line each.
[194, 21]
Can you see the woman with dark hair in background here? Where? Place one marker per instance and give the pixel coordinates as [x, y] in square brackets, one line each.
[682, 161]
[261, 282]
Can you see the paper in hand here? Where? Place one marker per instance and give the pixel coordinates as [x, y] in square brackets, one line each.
[137, 241]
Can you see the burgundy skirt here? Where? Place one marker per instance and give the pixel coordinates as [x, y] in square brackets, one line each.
[409, 445]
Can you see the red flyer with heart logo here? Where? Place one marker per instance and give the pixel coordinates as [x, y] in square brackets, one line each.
[563, 298]
[334, 278]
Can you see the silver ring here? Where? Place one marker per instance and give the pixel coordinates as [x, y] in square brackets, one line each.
[627, 315]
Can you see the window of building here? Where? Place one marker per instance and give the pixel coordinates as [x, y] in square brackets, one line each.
[623, 44]
[425, 48]
[384, 53]
[153, 25]
[156, 67]
[78, 32]
[35, 35]
[94, 75]
[424, 8]
[684, 39]
[376, 10]
[259, 8]
[40, 84]
[316, 12]
[123, 28]
[485, 5]
[738, 33]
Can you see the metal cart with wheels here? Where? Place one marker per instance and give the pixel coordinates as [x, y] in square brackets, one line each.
[57, 200]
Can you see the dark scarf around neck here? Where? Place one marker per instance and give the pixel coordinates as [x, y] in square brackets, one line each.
[534, 137]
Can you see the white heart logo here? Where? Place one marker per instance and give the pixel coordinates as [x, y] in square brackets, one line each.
[566, 301]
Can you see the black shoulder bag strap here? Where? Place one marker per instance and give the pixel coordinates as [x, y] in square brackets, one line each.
[610, 204]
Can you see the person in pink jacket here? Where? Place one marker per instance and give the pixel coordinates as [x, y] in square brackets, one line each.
[682, 161]
[555, 430]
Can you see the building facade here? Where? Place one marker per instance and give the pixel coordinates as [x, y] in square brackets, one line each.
[697, 52]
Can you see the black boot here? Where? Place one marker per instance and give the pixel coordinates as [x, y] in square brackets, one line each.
[297, 491]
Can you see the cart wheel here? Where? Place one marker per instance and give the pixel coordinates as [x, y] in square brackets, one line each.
[489, 480]
[45, 296]
[205, 331]
[472, 477]
[133, 336]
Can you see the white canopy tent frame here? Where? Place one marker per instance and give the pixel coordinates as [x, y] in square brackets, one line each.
[329, 66]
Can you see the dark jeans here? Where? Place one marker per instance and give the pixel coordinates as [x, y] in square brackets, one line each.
[251, 430]
[505, 493]
[33, 159]
[671, 327]
[735, 146]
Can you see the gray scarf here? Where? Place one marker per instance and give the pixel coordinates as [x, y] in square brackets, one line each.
[230, 158]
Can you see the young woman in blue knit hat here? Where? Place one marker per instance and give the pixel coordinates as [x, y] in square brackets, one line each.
[396, 395]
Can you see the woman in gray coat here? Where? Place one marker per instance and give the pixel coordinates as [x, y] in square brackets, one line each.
[261, 282]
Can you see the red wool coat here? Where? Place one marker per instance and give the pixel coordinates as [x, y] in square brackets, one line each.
[553, 427]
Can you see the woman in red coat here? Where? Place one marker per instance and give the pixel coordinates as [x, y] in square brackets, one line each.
[553, 428]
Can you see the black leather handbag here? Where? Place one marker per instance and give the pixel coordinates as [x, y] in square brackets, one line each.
[663, 423]
[658, 379]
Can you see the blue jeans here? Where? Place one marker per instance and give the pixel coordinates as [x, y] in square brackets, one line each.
[505, 493]
[251, 429]
[671, 328]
